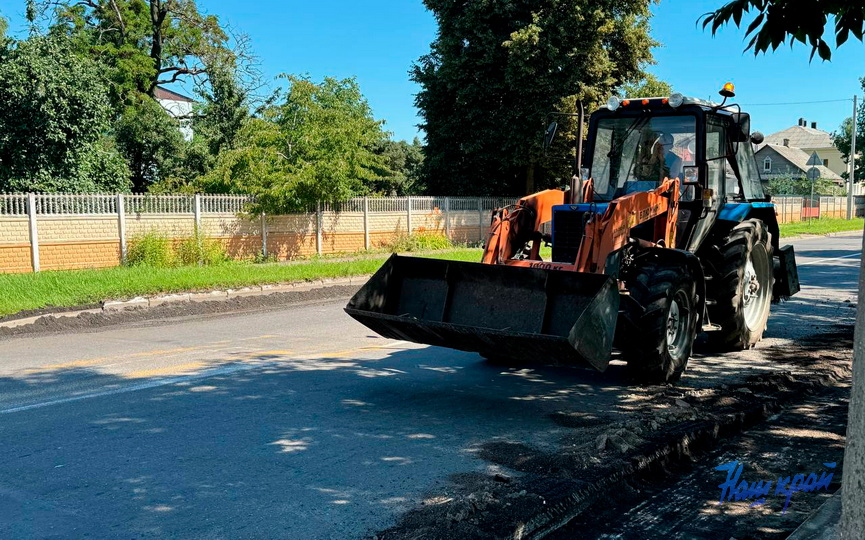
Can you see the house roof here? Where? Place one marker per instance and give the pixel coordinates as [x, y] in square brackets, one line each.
[799, 159]
[802, 137]
[170, 95]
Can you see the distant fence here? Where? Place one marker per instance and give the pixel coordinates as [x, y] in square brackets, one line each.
[70, 231]
[66, 231]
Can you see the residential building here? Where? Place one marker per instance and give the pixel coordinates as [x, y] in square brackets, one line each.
[780, 161]
[178, 106]
[809, 139]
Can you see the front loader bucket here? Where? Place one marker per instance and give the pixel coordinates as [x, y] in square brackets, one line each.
[499, 311]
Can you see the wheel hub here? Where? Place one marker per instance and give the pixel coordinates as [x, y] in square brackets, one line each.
[756, 288]
[752, 284]
[673, 323]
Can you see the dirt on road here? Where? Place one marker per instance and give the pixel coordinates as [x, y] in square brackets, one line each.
[531, 491]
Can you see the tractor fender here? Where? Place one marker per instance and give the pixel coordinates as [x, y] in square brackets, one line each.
[679, 257]
[735, 213]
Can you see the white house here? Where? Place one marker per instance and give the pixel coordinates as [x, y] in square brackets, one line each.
[178, 106]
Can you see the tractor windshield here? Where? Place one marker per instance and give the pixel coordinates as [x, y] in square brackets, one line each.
[636, 154]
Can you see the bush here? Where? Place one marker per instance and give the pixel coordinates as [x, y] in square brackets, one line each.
[157, 250]
[150, 249]
[200, 251]
[421, 241]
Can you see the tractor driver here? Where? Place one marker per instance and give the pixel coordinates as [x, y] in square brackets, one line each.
[669, 163]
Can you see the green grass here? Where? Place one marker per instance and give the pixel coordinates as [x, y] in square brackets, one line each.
[80, 287]
[821, 226]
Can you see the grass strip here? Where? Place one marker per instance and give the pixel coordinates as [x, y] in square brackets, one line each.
[821, 226]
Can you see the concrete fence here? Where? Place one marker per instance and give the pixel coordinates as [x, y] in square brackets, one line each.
[63, 231]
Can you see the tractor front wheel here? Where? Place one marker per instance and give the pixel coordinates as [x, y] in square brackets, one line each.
[664, 318]
[741, 287]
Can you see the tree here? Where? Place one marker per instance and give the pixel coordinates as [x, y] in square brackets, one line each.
[151, 142]
[498, 69]
[843, 139]
[144, 43]
[783, 21]
[53, 120]
[649, 86]
[317, 145]
[801, 186]
[402, 161]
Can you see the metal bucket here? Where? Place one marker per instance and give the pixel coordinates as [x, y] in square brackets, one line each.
[550, 316]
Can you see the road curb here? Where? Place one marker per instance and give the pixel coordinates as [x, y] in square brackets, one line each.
[219, 295]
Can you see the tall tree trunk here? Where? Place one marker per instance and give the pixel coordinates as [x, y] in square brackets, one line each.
[530, 179]
[158, 13]
[853, 486]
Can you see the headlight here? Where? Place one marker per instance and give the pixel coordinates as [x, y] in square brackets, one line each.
[676, 100]
[613, 103]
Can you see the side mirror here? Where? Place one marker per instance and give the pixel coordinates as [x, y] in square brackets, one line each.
[550, 135]
[757, 137]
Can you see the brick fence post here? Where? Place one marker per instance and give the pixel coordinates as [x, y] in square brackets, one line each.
[408, 218]
[319, 225]
[34, 233]
[196, 210]
[121, 226]
[263, 235]
[447, 211]
[480, 220]
[366, 223]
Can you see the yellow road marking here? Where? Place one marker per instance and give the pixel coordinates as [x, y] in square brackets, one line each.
[179, 369]
[146, 354]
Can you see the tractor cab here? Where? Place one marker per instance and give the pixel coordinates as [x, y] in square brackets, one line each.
[634, 144]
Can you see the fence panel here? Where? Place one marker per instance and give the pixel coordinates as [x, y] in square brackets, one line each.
[13, 205]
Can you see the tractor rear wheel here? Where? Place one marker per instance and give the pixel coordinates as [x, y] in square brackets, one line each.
[665, 321]
[741, 286]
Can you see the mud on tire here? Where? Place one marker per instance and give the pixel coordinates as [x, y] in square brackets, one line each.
[741, 286]
[664, 320]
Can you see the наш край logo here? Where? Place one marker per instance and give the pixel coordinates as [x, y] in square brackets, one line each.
[732, 489]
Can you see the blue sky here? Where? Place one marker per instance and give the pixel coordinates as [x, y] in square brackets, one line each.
[377, 41]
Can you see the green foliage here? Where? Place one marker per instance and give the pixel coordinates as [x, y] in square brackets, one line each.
[224, 111]
[201, 251]
[151, 142]
[420, 241]
[143, 43]
[648, 86]
[843, 139]
[317, 145]
[802, 187]
[150, 249]
[52, 121]
[781, 21]
[402, 161]
[498, 69]
[158, 251]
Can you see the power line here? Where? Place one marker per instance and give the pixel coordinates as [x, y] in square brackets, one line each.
[795, 103]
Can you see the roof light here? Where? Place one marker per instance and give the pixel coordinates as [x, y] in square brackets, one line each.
[645, 102]
[728, 91]
[613, 103]
[676, 100]
[626, 103]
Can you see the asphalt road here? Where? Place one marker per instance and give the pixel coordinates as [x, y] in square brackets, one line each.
[299, 422]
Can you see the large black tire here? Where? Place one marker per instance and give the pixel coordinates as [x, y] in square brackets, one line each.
[741, 286]
[664, 320]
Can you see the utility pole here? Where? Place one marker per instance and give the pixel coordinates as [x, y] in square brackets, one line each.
[852, 160]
